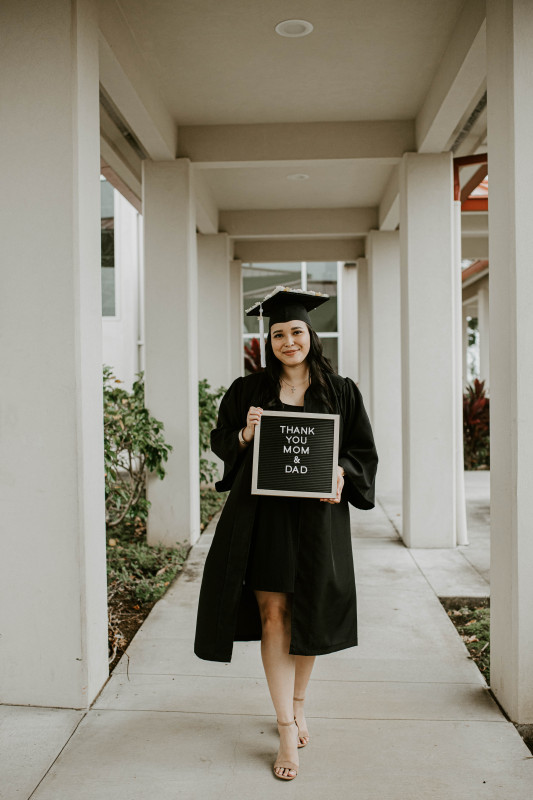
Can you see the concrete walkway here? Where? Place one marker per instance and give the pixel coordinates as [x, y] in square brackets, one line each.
[404, 716]
[463, 571]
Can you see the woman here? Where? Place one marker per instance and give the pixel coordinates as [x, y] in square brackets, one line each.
[280, 569]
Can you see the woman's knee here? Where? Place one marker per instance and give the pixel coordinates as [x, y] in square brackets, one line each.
[275, 613]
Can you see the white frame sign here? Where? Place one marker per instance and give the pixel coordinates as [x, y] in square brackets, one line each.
[296, 454]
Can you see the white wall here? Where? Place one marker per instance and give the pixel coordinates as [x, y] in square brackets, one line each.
[214, 320]
[122, 332]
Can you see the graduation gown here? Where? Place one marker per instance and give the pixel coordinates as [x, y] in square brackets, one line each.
[324, 612]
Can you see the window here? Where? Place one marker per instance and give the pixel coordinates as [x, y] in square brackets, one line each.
[316, 276]
[107, 214]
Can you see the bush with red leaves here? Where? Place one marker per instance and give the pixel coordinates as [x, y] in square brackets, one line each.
[252, 356]
[476, 426]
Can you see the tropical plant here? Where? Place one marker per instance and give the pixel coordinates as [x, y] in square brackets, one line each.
[252, 356]
[476, 426]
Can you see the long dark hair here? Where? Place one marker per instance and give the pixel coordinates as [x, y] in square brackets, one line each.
[318, 363]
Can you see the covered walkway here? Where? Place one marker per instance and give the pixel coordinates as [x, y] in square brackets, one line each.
[406, 714]
[243, 146]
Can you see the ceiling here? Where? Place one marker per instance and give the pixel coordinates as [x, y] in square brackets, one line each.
[221, 61]
[338, 184]
[215, 73]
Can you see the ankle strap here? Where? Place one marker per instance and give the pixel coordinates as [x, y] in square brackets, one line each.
[299, 698]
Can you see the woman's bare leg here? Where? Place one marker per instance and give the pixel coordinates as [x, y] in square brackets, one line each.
[279, 665]
[302, 673]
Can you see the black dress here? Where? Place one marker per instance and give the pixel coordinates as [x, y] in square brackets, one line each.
[273, 553]
[324, 602]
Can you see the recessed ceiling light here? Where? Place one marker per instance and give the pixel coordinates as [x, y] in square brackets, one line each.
[298, 176]
[294, 27]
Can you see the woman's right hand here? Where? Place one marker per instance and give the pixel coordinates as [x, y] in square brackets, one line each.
[253, 418]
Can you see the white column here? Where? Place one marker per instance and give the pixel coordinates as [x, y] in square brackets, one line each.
[428, 350]
[53, 619]
[363, 332]
[236, 320]
[465, 345]
[383, 255]
[484, 336]
[510, 122]
[171, 335]
[349, 322]
[461, 531]
[214, 313]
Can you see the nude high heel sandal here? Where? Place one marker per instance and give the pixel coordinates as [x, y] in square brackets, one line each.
[285, 764]
[304, 733]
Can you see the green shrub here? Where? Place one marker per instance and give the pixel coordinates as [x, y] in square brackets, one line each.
[133, 444]
[208, 403]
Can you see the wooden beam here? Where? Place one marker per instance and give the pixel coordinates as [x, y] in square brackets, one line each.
[478, 176]
[475, 204]
[464, 161]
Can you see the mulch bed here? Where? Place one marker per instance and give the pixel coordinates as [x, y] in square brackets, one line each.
[471, 617]
[127, 613]
[125, 618]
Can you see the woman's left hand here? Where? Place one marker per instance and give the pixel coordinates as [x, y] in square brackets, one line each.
[340, 484]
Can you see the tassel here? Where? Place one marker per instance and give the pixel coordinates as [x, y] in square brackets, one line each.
[262, 336]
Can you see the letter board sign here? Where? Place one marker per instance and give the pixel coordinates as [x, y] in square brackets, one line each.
[296, 454]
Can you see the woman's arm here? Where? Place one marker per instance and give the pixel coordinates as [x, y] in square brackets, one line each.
[247, 433]
[340, 484]
[230, 438]
[224, 438]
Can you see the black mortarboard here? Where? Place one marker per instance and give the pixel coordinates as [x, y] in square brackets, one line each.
[283, 305]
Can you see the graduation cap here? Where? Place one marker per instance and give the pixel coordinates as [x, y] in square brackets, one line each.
[283, 305]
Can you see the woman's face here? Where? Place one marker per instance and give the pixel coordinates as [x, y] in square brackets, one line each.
[290, 341]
